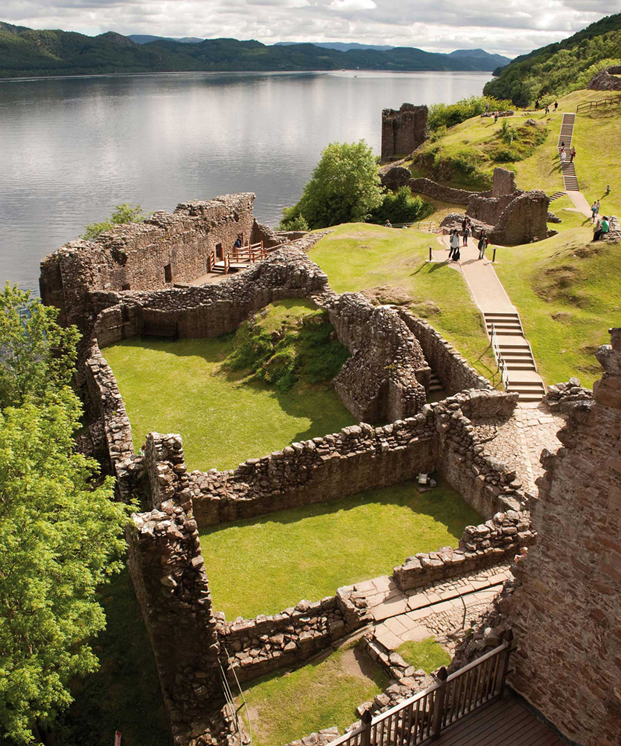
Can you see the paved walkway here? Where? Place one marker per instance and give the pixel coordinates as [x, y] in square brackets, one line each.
[580, 202]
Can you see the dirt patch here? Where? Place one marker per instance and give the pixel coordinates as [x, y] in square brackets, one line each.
[562, 317]
[356, 663]
[384, 294]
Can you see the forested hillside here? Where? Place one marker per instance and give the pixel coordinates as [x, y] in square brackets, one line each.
[559, 68]
[25, 52]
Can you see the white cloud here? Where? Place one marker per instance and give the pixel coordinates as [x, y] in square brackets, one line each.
[511, 27]
[352, 5]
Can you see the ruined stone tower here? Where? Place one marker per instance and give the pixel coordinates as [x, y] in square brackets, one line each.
[403, 131]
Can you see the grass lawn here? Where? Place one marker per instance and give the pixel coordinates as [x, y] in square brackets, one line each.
[322, 694]
[267, 564]
[124, 694]
[427, 655]
[366, 257]
[183, 387]
[568, 293]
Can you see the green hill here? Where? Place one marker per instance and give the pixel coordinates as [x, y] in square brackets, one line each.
[559, 68]
[25, 52]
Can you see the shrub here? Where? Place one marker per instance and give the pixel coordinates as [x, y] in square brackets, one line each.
[124, 213]
[448, 115]
[401, 207]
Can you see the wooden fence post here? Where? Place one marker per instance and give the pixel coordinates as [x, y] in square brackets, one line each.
[508, 637]
[367, 719]
[438, 709]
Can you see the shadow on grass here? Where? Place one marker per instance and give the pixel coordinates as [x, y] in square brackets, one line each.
[124, 694]
[442, 504]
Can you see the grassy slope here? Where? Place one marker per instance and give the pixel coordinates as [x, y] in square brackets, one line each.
[361, 257]
[568, 293]
[264, 565]
[181, 387]
[318, 695]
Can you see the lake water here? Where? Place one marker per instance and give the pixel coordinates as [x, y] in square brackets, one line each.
[73, 148]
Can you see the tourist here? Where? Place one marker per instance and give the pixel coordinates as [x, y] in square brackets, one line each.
[536, 104]
[495, 117]
[607, 189]
[238, 242]
[572, 154]
[388, 224]
[601, 229]
[454, 243]
[547, 109]
[594, 210]
[483, 244]
[563, 155]
[555, 105]
[466, 230]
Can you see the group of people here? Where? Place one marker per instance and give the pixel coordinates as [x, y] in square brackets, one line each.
[466, 231]
[601, 228]
[567, 153]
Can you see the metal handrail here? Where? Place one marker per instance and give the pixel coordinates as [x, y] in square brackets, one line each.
[500, 361]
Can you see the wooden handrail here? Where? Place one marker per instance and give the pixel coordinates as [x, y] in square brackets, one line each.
[422, 717]
[596, 103]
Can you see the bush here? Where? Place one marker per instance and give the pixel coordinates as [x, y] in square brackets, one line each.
[448, 115]
[401, 207]
[124, 213]
[344, 188]
[292, 220]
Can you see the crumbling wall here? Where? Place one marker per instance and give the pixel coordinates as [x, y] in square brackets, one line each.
[146, 256]
[566, 609]
[403, 130]
[524, 220]
[385, 378]
[168, 573]
[453, 370]
[267, 643]
[606, 80]
[485, 545]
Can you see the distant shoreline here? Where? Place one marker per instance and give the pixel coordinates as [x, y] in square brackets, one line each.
[353, 73]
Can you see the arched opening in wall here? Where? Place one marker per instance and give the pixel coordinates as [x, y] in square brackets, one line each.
[219, 253]
[168, 273]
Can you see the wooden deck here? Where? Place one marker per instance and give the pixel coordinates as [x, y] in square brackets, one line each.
[504, 722]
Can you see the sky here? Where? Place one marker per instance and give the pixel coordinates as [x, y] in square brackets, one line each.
[509, 27]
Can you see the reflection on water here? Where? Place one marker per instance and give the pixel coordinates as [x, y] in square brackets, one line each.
[73, 148]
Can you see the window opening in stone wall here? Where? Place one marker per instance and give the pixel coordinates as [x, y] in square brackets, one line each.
[168, 273]
[127, 286]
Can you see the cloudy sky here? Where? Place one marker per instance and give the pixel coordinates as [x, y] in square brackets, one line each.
[509, 27]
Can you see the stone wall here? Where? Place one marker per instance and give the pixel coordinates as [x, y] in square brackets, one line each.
[403, 130]
[371, 389]
[358, 458]
[443, 193]
[606, 80]
[497, 540]
[566, 610]
[165, 249]
[262, 645]
[524, 220]
[169, 577]
[454, 371]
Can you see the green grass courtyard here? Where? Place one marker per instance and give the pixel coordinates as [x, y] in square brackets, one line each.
[265, 565]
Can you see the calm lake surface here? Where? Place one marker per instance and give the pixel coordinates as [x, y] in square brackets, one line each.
[73, 148]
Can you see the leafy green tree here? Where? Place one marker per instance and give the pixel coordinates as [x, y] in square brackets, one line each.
[124, 213]
[344, 188]
[59, 539]
[60, 531]
[35, 352]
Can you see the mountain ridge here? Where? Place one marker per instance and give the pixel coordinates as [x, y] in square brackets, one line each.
[26, 52]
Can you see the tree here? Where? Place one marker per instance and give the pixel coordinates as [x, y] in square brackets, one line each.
[345, 187]
[60, 531]
[124, 213]
[36, 354]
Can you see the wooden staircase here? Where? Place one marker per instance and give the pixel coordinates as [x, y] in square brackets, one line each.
[514, 356]
[568, 168]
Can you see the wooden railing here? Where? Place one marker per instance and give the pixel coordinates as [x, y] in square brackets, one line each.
[249, 253]
[211, 260]
[595, 104]
[422, 718]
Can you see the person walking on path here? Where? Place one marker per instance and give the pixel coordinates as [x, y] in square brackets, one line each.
[483, 244]
[547, 109]
[563, 156]
[594, 210]
[465, 230]
[607, 189]
[572, 155]
[454, 243]
[555, 105]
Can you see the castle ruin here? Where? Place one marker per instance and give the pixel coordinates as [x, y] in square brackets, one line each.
[403, 131]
